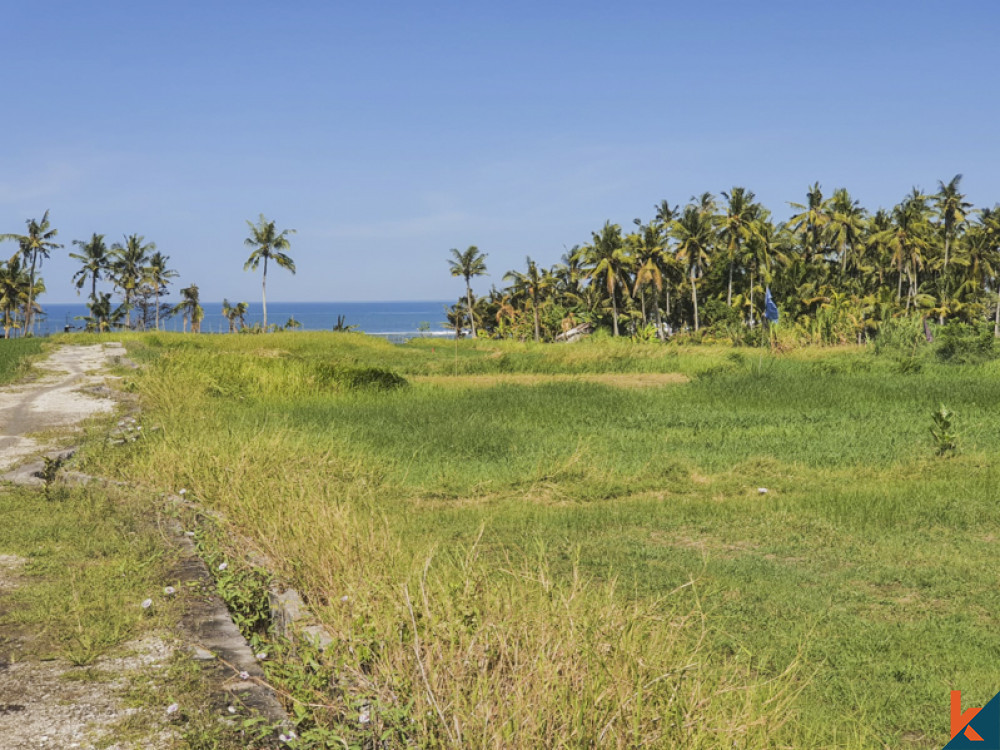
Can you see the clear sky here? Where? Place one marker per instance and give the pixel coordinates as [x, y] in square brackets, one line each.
[388, 132]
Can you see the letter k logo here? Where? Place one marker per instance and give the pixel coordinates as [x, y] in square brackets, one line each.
[960, 720]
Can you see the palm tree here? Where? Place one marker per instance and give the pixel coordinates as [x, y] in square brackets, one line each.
[606, 258]
[34, 247]
[845, 227]
[192, 311]
[649, 247]
[234, 313]
[468, 264]
[952, 207]
[267, 243]
[693, 232]
[158, 276]
[13, 292]
[531, 284]
[740, 211]
[810, 220]
[128, 268]
[95, 260]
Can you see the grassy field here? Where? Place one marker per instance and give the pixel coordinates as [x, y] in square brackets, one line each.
[13, 353]
[547, 546]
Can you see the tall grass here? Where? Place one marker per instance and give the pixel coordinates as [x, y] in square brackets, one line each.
[14, 354]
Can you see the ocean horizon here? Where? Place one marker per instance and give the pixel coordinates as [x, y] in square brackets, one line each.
[391, 319]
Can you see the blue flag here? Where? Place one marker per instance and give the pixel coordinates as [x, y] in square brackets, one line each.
[770, 309]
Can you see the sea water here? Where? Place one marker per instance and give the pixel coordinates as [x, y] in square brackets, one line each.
[394, 320]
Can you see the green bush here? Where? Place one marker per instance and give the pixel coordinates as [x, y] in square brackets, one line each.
[961, 343]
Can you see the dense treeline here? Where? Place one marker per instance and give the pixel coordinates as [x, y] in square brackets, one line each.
[835, 270]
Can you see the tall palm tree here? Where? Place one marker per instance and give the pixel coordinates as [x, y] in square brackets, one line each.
[190, 308]
[809, 222]
[468, 264]
[128, 268]
[268, 244]
[845, 227]
[95, 261]
[952, 207]
[158, 276]
[740, 212]
[649, 246]
[533, 284]
[693, 232]
[34, 246]
[13, 292]
[607, 259]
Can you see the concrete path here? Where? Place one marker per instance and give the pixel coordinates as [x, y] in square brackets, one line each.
[57, 401]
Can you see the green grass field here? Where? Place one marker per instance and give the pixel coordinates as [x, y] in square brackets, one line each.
[534, 556]
[13, 353]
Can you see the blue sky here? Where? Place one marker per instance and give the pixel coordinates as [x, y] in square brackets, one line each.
[388, 132]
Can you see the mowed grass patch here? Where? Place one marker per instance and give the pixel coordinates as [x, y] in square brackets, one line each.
[507, 510]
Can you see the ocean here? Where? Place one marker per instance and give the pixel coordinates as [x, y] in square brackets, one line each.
[397, 321]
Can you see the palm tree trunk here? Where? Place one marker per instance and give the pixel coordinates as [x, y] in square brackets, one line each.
[468, 299]
[694, 299]
[263, 293]
[996, 320]
[642, 299]
[659, 320]
[614, 312]
[729, 292]
[751, 300]
[538, 328]
[899, 287]
[157, 307]
[28, 316]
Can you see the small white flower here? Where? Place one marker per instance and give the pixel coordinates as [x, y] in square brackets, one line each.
[172, 708]
[262, 655]
[182, 492]
[244, 676]
[169, 590]
[231, 709]
[223, 566]
[147, 603]
[365, 716]
[762, 490]
[283, 737]
[139, 427]
[345, 598]
[188, 533]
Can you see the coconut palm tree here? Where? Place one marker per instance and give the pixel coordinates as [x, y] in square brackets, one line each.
[694, 232]
[468, 264]
[34, 246]
[740, 212]
[190, 308]
[128, 268]
[158, 276]
[649, 247]
[13, 292]
[532, 285]
[95, 260]
[607, 259]
[268, 244]
[845, 227]
[809, 222]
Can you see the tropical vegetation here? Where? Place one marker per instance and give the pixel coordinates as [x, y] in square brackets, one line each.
[836, 270]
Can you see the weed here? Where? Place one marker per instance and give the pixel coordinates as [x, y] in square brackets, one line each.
[942, 431]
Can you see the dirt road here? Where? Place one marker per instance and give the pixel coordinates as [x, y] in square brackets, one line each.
[56, 401]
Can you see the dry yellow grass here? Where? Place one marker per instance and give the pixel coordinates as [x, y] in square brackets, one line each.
[613, 379]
